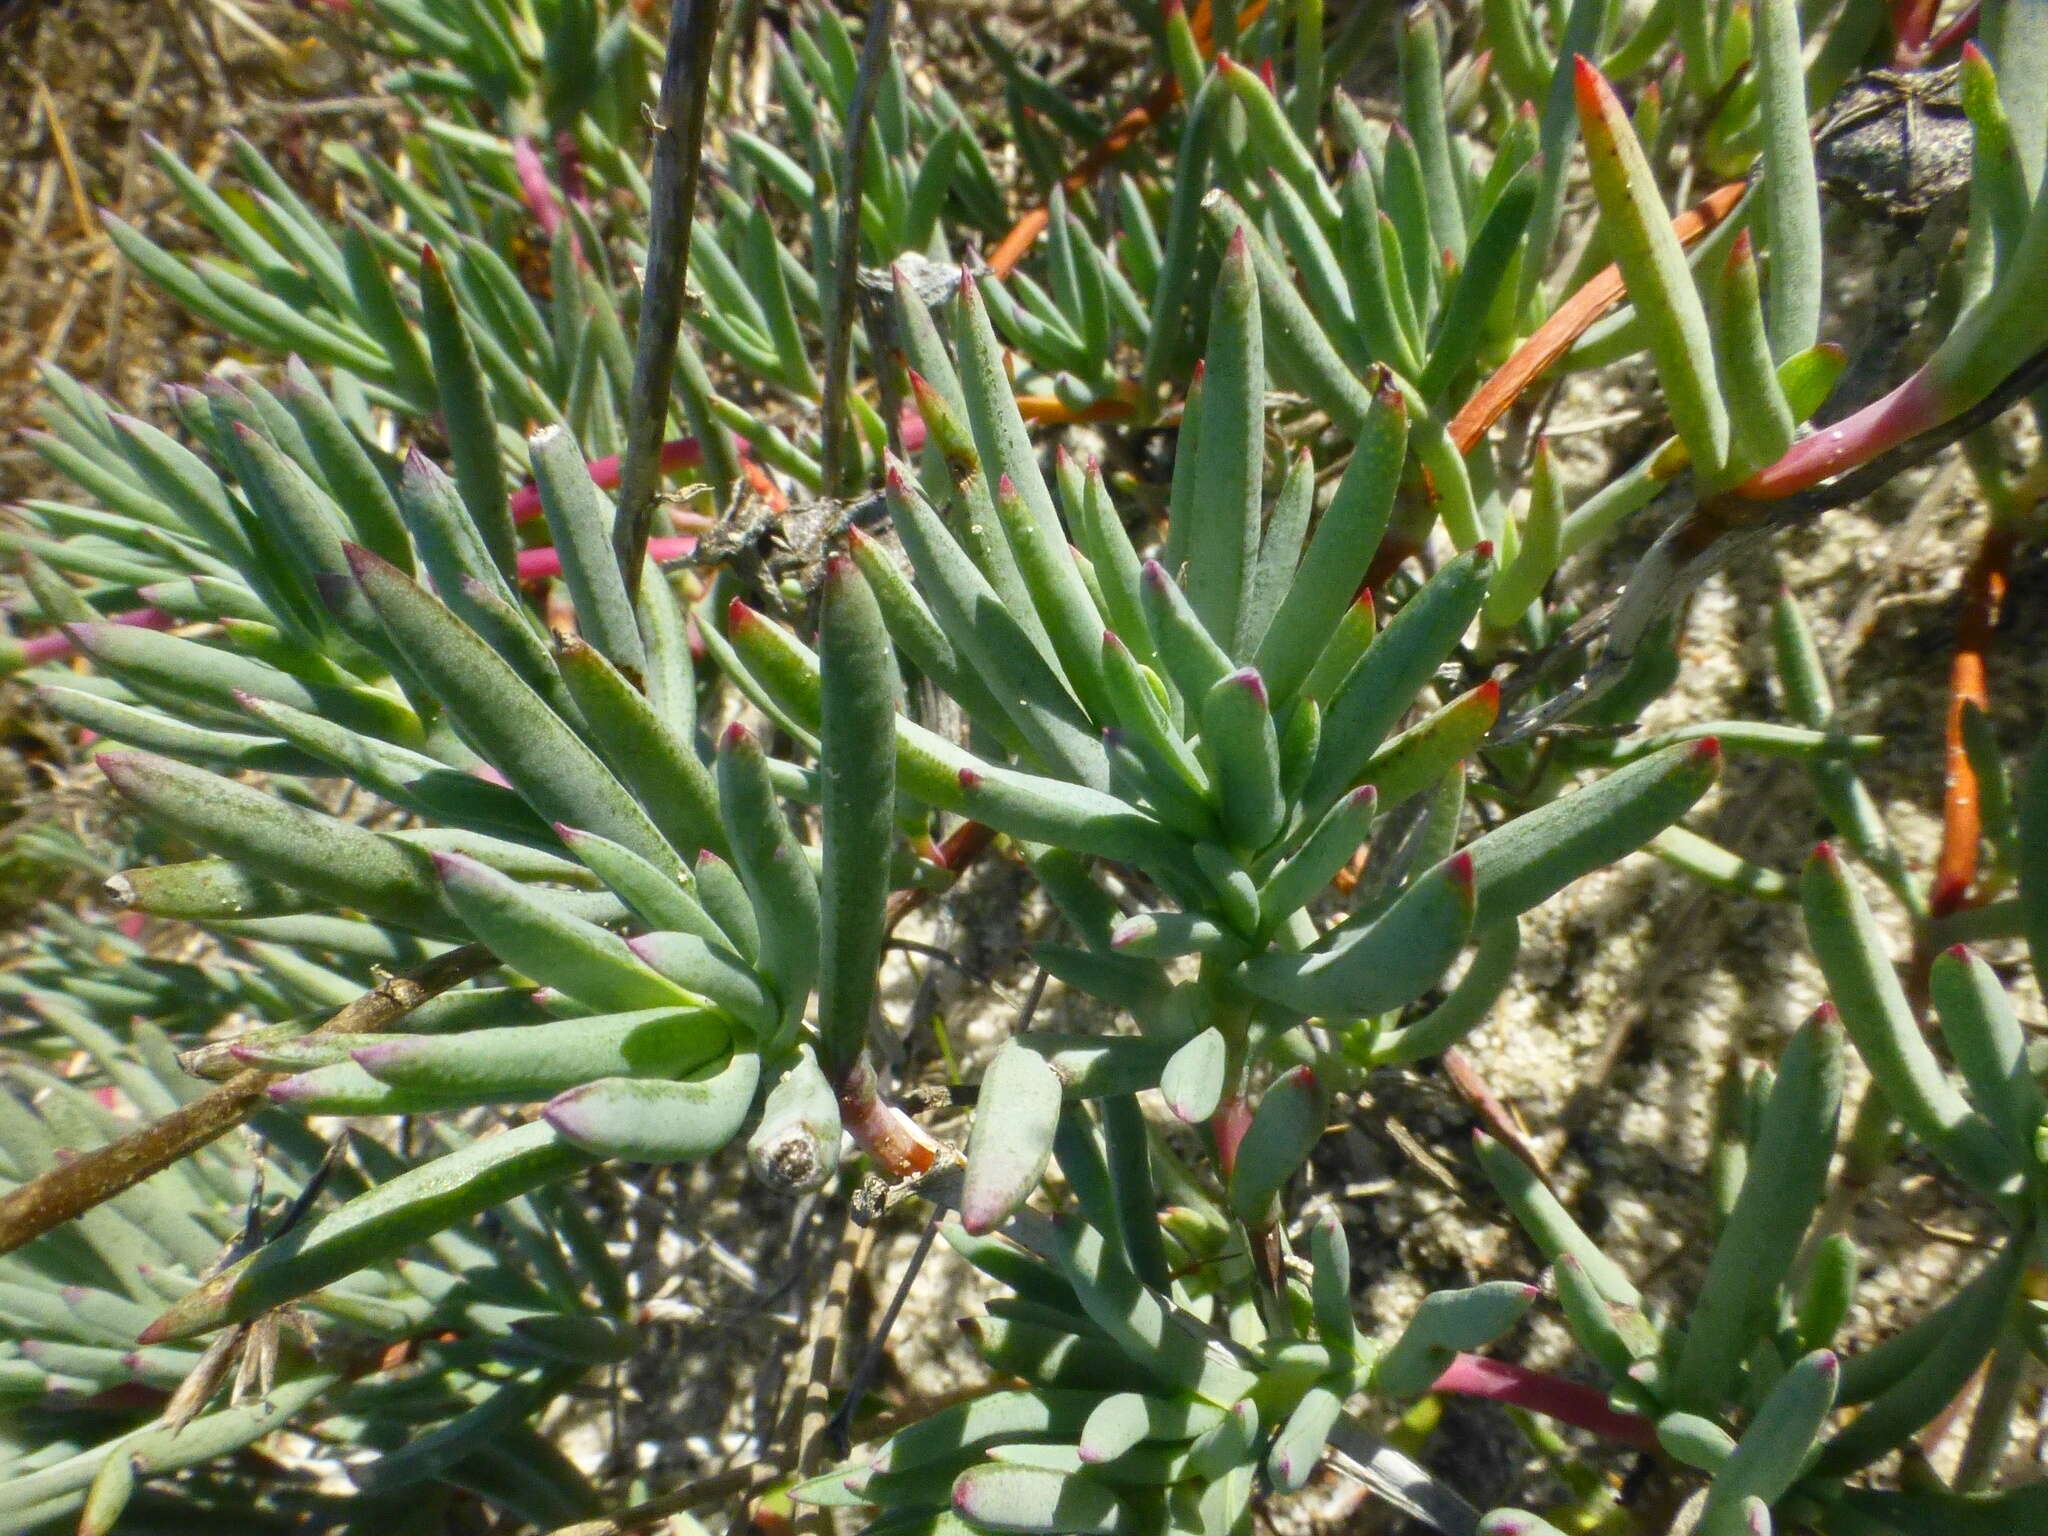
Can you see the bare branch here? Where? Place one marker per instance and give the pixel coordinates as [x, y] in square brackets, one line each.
[70, 1189]
[874, 59]
[672, 203]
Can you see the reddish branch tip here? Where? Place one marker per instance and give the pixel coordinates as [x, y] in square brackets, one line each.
[1588, 84]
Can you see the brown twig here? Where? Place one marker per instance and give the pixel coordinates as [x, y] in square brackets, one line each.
[672, 201]
[72, 1188]
[874, 61]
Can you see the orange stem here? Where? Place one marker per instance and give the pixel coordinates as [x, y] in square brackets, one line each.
[1122, 135]
[1962, 827]
[1571, 320]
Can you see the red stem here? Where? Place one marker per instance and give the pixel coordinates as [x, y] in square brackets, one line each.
[1914, 407]
[1912, 21]
[1566, 1401]
[1956, 33]
[897, 1145]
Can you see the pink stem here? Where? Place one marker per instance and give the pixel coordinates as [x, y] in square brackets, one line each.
[1566, 1401]
[1913, 407]
[534, 185]
[57, 645]
[604, 473]
[539, 564]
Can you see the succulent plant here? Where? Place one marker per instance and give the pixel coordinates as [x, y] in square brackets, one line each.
[427, 1371]
[1187, 731]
